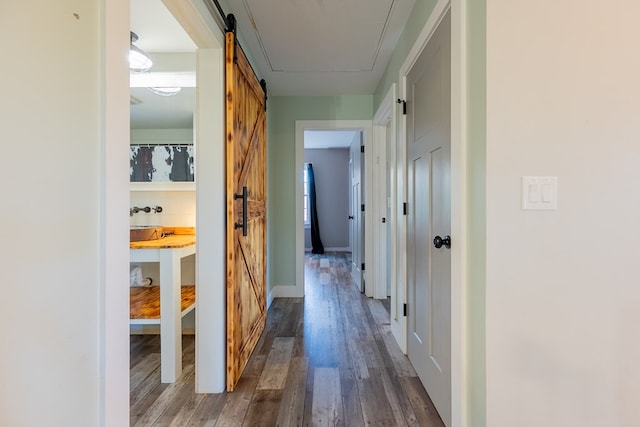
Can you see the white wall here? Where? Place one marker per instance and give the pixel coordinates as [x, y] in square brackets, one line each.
[178, 208]
[63, 357]
[563, 99]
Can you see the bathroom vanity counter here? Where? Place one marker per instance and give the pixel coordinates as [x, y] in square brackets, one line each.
[172, 241]
[169, 252]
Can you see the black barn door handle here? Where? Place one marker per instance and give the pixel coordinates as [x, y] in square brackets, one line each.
[244, 198]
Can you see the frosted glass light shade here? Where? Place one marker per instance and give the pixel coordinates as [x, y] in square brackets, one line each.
[139, 62]
[165, 91]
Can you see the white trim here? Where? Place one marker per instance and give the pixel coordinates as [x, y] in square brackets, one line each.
[459, 209]
[384, 117]
[301, 125]
[459, 403]
[113, 299]
[283, 291]
[270, 298]
[439, 11]
[203, 29]
[337, 249]
[387, 116]
[210, 224]
[331, 249]
[197, 21]
[162, 186]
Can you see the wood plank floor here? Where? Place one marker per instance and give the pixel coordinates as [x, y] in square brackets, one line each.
[326, 360]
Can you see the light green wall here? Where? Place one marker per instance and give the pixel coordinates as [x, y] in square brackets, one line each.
[417, 19]
[282, 113]
[476, 196]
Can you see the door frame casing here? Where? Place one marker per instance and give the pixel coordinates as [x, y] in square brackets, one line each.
[459, 347]
[365, 126]
[356, 198]
[387, 116]
[209, 119]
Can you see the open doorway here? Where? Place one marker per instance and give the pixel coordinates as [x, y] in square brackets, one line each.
[327, 196]
[184, 41]
[327, 152]
[308, 133]
[162, 197]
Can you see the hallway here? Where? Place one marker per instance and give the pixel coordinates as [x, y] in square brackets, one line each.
[329, 360]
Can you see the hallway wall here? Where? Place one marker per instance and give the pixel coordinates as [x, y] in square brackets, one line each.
[563, 98]
[331, 170]
[282, 116]
[64, 213]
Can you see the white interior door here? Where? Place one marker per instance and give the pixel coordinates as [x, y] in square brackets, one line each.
[429, 217]
[356, 216]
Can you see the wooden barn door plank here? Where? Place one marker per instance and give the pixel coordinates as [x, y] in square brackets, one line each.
[246, 167]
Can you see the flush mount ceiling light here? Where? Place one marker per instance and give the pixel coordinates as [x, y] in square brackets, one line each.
[139, 61]
[163, 83]
[163, 79]
[165, 91]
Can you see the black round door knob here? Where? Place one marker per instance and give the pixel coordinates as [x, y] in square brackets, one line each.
[439, 242]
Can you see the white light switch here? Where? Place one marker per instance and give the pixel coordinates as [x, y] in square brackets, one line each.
[539, 192]
[534, 193]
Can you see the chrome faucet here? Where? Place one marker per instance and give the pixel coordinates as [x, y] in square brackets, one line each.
[146, 209]
[136, 209]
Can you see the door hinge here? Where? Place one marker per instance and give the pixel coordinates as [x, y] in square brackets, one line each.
[404, 208]
[362, 266]
[404, 106]
[362, 208]
[404, 310]
[362, 148]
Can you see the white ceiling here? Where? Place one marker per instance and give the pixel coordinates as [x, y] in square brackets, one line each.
[321, 47]
[300, 47]
[157, 29]
[317, 139]
[171, 50]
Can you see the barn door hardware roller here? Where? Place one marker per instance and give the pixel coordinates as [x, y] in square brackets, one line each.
[404, 105]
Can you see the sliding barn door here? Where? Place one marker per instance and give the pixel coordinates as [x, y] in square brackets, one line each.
[246, 210]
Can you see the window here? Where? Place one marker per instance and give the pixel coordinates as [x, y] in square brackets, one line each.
[305, 189]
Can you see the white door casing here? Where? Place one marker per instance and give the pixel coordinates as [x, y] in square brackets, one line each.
[356, 215]
[385, 126]
[365, 127]
[380, 217]
[209, 116]
[429, 217]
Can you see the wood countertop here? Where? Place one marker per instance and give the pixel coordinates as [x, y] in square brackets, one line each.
[168, 242]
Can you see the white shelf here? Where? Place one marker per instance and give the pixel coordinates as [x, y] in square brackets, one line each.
[162, 186]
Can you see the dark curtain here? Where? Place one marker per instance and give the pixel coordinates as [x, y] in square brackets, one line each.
[316, 243]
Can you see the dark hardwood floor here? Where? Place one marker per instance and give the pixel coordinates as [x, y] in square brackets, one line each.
[326, 360]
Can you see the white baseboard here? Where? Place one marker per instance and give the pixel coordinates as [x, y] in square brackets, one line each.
[155, 330]
[332, 249]
[269, 298]
[283, 291]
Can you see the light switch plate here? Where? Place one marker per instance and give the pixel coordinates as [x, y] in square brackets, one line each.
[539, 192]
